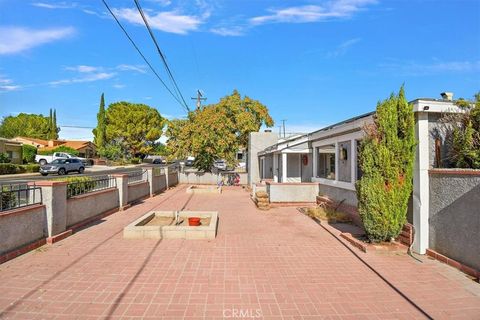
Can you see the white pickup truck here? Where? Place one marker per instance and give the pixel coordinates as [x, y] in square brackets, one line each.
[43, 159]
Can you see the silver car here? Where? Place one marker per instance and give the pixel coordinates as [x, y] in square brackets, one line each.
[63, 166]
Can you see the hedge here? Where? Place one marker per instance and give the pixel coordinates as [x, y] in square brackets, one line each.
[10, 168]
[9, 199]
[29, 153]
[78, 185]
[65, 149]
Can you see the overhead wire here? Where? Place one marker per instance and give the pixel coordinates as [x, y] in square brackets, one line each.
[184, 106]
[162, 55]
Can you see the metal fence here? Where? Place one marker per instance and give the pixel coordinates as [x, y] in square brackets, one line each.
[138, 176]
[13, 196]
[88, 185]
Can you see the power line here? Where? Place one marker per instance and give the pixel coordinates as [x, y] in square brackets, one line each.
[162, 56]
[141, 54]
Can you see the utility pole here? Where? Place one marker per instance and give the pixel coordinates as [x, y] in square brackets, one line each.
[283, 121]
[199, 99]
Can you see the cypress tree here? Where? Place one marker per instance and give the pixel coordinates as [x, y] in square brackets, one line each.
[100, 131]
[54, 126]
[386, 158]
[50, 125]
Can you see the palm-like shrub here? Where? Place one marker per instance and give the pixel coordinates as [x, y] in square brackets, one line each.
[386, 159]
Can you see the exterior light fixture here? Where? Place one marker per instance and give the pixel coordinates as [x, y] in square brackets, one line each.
[426, 108]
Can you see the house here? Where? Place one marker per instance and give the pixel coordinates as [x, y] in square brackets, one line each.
[86, 149]
[325, 163]
[13, 150]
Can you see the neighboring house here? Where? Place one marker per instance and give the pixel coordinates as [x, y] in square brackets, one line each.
[86, 149]
[326, 162]
[13, 149]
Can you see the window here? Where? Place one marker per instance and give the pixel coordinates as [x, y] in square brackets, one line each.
[326, 162]
[239, 156]
[10, 155]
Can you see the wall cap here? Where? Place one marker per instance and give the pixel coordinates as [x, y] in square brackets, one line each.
[455, 171]
[48, 183]
[119, 175]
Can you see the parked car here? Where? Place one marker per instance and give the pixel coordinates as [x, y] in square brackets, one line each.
[154, 159]
[189, 162]
[44, 159]
[220, 164]
[62, 166]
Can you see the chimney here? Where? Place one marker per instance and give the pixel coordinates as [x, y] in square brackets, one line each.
[447, 96]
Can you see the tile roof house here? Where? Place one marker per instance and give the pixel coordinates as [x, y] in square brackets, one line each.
[86, 149]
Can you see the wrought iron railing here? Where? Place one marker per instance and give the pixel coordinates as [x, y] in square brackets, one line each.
[138, 176]
[158, 172]
[13, 196]
[90, 184]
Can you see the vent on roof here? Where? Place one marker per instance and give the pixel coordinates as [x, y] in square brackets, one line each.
[447, 96]
[268, 130]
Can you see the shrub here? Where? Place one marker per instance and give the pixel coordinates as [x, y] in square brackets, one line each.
[9, 199]
[69, 150]
[29, 153]
[4, 158]
[78, 185]
[386, 159]
[9, 168]
[463, 135]
[111, 151]
[135, 160]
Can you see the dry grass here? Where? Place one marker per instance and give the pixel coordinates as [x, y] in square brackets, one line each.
[327, 214]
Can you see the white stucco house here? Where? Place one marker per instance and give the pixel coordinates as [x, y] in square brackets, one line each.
[324, 162]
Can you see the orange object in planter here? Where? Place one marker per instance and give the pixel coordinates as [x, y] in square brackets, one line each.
[193, 221]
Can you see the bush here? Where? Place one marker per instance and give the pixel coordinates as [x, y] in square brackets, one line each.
[135, 160]
[78, 185]
[9, 199]
[29, 153]
[9, 168]
[4, 158]
[111, 152]
[386, 159]
[69, 150]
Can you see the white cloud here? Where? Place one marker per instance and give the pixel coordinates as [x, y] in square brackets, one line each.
[333, 9]
[83, 69]
[58, 5]
[437, 67]
[166, 21]
[129, 67]
[119, 86]
[9, 87]
[343, 48]
[233, 31]
[18, 39]
[90, 77]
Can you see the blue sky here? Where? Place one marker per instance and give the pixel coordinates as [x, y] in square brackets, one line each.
[311, 62]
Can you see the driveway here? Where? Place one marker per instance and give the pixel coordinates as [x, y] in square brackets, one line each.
[277, 264]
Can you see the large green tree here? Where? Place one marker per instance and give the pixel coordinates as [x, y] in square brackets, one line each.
[27, 125]
[386, 158]
[136, 127]
[100, 131]
[217, 131]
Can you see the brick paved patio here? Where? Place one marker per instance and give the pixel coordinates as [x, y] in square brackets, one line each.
[278, 264]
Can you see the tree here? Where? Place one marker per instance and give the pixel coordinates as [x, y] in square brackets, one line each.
[464, 135]
[135, 127]
[26, 125]
[54, 125]
[386, 159]
[100, 131]
[217, 131]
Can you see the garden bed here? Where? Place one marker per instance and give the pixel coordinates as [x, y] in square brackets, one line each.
[199, 189]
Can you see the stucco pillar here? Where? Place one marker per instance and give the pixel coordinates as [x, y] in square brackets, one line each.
[353, 160]
[421, 187]
[336, 161]
[54, 197]
[166, 177]
[150, 177]
[275, 168]
[284, 167]
[314, 162]
[122, 187]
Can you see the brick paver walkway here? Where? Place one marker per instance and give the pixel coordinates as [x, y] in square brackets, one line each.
[274, 265]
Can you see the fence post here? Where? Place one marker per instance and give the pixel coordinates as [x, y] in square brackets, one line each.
[122, 186]
[54, 197]
[150, 177]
